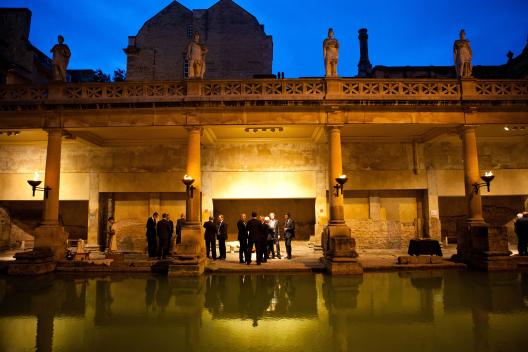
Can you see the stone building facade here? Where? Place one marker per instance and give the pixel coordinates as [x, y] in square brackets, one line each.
[121, 149]
[237, 45]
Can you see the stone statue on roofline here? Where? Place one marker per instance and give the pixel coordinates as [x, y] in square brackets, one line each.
[463, 56]
[331, 54]
[196, 52]
[61, 58]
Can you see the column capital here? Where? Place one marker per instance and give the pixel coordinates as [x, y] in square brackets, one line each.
[194, 129]
[462, 129]
[333, 128]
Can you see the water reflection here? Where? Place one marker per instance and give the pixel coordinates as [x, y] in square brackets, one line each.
[433, 311]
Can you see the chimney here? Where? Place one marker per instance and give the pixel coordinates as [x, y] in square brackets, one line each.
[364, 66]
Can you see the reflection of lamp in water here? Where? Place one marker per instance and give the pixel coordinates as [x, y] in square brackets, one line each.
[189, 188]
[35, 183]
[487, 178]
[341, 180]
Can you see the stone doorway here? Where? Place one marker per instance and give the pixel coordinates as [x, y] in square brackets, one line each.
[301, 210]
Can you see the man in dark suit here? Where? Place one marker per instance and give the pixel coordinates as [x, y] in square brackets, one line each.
[252, 226]
[171, 231]
[289, 233]
[242, 238]
[151, 236]
[210, 238]
[180, 223]
[222, 237]
[521, 229]
[262, 242]
[163, 236]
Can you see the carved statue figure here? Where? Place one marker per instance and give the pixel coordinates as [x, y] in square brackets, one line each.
[196, 57]
[61, 58]
[463, 56]
[331, 54]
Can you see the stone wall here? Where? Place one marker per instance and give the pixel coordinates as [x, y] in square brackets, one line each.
[237, 45]
[388, 198]
[379, 234]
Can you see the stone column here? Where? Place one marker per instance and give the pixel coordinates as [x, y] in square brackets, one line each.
[335, 169]
[93, 212]
[51, 235]
[194, 170]
[339, 247]
[432, 224]
[471, 174]
[52, 178]
[189, 259]
[480, 247]
[374, 208]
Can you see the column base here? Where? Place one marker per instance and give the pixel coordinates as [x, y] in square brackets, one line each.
[343, 266]
[488, 262]
[187, 266]
[53, 237]
[189, 256]
[485, 248]
[37, 262]
[337, 242]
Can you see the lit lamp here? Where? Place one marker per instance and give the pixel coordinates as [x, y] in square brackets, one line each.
[35, 183]
[487, 178]
[341, 180]
[189, 188]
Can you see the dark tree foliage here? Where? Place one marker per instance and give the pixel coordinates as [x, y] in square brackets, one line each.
[100, 76]
[119, 75]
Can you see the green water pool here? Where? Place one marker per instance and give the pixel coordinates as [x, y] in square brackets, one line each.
[406, 311]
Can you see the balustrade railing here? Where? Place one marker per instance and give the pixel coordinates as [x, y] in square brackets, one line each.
[264, 89]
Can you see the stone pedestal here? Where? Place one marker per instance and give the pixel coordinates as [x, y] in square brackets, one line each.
[339, 250]
[53, 237]
[37, 262]
[189, 256]
[489, 248]
[194, 86]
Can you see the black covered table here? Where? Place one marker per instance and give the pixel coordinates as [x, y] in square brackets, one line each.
[424, 247]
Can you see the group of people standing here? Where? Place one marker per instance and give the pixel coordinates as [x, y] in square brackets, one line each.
[160, 234]
[261, 232]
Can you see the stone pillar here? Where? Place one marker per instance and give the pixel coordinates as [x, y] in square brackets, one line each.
[471, 174]
[93, 212]
[335, 169]
[194, 170]
[339, 247]
[51, 234]
[374, 208]
[190, 254]
[432, 226]
[154, 203]
[52, 178]
[479, 247]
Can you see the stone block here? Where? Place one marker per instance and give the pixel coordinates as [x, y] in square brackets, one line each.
[492, 263]
[193, 267]
[343, 267]
[52, 237]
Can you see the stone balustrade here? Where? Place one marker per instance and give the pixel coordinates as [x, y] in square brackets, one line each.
[353, 89]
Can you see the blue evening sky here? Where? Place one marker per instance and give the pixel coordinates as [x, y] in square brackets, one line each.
[401, 32]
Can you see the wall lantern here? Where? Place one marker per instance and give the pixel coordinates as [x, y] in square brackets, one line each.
[35, 183]
[341, 180]
[487, 178]
[189, 188]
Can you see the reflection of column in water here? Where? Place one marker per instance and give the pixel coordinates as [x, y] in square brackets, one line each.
[189, 303]
[480, 329]
[340, 295]
[150, 290]
[45, 332]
